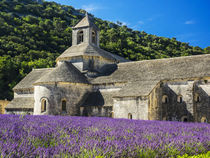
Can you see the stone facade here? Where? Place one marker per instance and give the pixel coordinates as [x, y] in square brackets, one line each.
[180, 100]
[55, 94]
[131, 107]
[89, 81]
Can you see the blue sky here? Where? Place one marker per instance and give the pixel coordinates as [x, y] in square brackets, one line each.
[186, 20]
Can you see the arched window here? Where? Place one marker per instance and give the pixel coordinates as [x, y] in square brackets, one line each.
[184, 119]
[204, 120]
[63, 105]
[43, 105]
[130, 116]
[165, 99]
[93, 37]
[179, 99]
[80, 37]
[197, 98]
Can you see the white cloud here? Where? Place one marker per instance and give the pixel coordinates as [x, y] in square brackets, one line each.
[125, 23]
[189, 22]
[141, 22]
[90, 7]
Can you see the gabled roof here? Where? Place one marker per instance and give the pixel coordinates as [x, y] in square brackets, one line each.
[64, 72]
[85, 22]
[138, 75]
[85, 49]
[139, 88]
[35, 74]
[206, 88]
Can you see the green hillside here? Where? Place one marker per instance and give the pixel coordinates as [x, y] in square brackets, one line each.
[34, 32]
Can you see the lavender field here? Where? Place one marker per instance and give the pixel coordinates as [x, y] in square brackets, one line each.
[57, 136]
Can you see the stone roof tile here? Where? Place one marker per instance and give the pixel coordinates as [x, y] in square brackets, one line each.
[64, 72]
[138, 75]
[85, 22]
[34, 75]
[21, 103]
[85, 49]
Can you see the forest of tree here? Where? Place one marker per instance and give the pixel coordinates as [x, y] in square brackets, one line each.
[34, 32]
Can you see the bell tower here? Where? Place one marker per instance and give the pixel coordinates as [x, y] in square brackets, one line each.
[85, 32]
[85, 53]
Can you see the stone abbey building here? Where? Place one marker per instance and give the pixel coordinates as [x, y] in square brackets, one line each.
[89, 81]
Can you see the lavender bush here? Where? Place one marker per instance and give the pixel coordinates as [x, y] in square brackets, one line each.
[57, 136]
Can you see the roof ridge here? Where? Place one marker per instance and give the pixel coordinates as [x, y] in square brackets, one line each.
[43, 68]
[162, 59]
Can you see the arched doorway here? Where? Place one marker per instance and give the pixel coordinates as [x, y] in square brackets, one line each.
[204, 120]
[184, 119]
[130, 116]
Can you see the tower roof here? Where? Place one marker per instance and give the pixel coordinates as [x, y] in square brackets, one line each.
[64, 72]
[85, 22]
[85, 49]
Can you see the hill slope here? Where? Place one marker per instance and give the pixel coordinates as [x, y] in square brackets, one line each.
[34, 32]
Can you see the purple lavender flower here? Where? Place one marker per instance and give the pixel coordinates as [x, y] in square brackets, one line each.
[59, 136]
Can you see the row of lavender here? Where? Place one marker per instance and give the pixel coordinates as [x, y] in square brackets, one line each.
[57, 136]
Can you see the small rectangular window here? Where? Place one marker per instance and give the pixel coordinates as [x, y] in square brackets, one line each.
[63, 106]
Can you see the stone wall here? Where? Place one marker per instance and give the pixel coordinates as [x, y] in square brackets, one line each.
[100, 101]
[154, 106]
[175, 109]
[87, 35]
[98, 111]
[73, 94]
[23, 97]
[131, 107]
[181, 100]
[93, 64]
[202, 101]
[20, 112]
[24, 93]
[3, 104]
